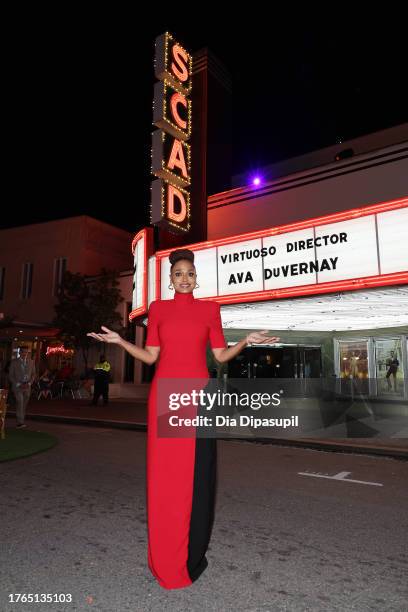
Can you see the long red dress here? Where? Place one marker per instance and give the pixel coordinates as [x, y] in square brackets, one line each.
[181, 472]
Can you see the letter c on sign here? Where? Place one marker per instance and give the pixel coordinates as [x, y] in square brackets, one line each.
[175, 100]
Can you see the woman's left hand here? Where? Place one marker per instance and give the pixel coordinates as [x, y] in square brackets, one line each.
[260, 338]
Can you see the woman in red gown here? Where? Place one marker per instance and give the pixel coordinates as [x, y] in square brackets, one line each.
[181, 471]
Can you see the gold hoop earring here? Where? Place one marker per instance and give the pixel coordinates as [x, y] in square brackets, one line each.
[171, 287]
[196, 286]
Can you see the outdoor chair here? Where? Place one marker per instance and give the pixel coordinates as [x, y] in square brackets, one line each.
[74, 388]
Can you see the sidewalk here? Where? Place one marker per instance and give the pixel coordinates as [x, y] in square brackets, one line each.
[126, 414]
[132, 414]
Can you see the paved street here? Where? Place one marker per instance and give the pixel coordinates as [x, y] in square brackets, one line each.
[285, 538]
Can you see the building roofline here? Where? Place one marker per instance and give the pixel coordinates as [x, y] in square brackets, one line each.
[86, 217]
[367, 143]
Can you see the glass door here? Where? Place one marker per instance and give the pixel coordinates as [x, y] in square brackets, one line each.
[388, 367]
[310, 362]
[290, 361]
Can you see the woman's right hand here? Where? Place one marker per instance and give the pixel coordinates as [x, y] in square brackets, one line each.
[109, 336]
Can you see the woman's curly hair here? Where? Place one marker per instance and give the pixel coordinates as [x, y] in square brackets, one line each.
[175, 256]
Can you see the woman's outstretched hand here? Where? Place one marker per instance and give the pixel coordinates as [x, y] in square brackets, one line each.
[259, 338]
[108, 336]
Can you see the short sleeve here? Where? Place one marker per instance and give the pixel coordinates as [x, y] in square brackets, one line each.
[152, 338]
[217, 339]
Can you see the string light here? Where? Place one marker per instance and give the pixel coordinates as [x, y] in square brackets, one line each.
[167, 40]
[184, 135]
[164, 172]
[171, 84]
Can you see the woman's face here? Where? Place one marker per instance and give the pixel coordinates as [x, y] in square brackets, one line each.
[183, 276]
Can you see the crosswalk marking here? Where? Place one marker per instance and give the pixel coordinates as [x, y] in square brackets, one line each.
[340, 476]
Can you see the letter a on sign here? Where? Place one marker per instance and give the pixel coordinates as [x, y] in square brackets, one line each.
[176, 159]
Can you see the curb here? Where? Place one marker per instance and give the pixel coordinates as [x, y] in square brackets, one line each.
[324, 445]
[84, 421]
[339, 447]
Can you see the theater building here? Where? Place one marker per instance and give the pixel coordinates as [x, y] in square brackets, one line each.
[318, 256]
[313, 249]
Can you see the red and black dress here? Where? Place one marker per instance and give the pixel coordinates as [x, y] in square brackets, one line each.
[181, 472]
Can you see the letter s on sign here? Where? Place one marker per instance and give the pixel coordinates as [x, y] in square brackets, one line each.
[179, 66]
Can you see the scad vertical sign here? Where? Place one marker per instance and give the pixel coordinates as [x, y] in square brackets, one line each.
[171, 154]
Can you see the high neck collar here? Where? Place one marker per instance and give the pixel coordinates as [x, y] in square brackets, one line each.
[183, 298]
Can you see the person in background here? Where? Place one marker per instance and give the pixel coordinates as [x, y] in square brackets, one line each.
[45, 384]
[101, 382]
[392, 365]
[21, 376]
[65, 372]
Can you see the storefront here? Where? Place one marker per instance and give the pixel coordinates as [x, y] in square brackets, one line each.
[44, 348]
[56, 357]
[376, 364]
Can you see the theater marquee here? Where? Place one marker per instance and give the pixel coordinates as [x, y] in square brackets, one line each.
[359, 248]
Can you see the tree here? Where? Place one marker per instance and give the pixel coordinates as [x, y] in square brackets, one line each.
[84, 304]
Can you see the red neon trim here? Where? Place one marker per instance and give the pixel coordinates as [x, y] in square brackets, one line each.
[137, 312]
[147, 234]
[398, 278]
[157, 292]
[144, 281]
[137, 238]
[297, 225]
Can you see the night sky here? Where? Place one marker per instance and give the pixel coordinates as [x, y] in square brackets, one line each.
[82, 103]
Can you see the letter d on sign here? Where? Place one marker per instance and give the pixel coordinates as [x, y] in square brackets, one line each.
[174, 194]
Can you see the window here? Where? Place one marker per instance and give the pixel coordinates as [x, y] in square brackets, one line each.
[353, 366]
[60, 265]
[2, 281]
[354, 359]
[27, 280]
